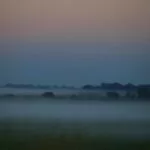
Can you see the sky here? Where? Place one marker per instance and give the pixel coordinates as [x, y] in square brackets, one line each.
[74, 42]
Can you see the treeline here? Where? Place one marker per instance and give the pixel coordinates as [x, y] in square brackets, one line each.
[104, 86]
[31, 86]
[112, 91]
[141, 93]
[132, 91]
[115, 86]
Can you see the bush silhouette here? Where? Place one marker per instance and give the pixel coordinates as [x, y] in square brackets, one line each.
[9, 95]
[130, 95]
[48, 94]
[143, 92]
[113, 95]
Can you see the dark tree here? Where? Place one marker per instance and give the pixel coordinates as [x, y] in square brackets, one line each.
[48, 94]
[129, 86]
[113, 95]
[143, 92]
[88, 87]
[9, 95]
[112, 86]
[130, 95]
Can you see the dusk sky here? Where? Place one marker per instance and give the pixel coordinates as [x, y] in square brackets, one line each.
[74, 42]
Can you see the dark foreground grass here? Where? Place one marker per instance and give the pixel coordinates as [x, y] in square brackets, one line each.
[23, 135]
[21, 141]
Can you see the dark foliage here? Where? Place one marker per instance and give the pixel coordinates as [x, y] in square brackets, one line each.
[48, 94]
[113, 95]
[129, 86]
[130, 95]
[8, 95]
[30, 86]
[88, 87]
[10, 85]
[111, 86]
[143, 92]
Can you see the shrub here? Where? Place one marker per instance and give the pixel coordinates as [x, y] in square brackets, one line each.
[113, 95]
[48, 94]
[9, 95]
[143, 92]
[130, 95]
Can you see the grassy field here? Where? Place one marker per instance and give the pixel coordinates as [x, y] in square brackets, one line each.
[68, 142]
[14, 138]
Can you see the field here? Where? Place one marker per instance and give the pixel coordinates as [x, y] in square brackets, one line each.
[43, 124]
[23, 135]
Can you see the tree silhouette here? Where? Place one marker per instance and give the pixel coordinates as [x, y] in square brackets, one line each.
[113, 95]
[48, 94]
[143, 92]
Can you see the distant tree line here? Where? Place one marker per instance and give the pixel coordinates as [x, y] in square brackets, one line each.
[142, 91]
[115, 86]
[31, 86]
[132, 91]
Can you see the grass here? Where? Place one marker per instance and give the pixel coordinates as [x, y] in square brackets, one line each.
[68, 142]
[14, 138]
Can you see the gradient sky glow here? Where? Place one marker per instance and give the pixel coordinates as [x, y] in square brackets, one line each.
[74, 42]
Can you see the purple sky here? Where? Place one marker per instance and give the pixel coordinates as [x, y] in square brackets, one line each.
[74, 42]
